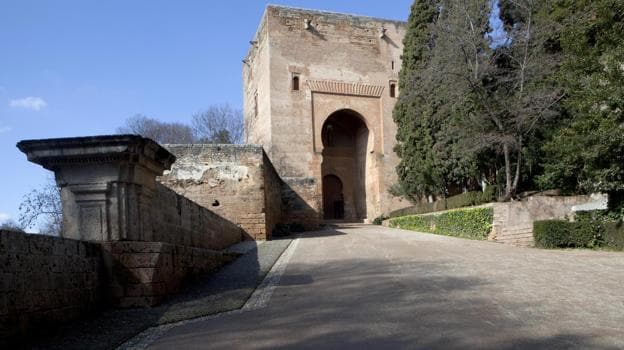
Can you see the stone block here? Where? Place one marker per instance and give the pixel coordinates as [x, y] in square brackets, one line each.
[13, 242]
[143, 260]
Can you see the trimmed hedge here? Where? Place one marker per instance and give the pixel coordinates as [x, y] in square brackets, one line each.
[467, 199]
[565, 234]
[589, 231]
[613, 235]
[473, 223]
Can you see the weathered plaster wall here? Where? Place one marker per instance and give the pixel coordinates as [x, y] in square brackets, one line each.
[341, 62]
[46, 281]
[237, 182]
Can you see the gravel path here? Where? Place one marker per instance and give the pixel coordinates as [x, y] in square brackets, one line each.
[359, 287]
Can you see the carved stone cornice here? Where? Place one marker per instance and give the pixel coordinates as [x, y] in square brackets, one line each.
[135, 149]
[344, 88]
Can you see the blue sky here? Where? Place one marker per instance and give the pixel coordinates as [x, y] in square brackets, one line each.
[75, 68]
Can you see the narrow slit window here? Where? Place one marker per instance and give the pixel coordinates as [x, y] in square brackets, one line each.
[392, 65]
[295, 83]
[392, 90]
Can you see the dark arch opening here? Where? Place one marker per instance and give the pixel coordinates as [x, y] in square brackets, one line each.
[345, 143]
[333, 198]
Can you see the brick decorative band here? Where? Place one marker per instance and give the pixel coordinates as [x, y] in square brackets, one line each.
[336, 87]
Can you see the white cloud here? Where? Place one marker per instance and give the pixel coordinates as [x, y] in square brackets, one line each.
[34, 103]
[4, 129]
[4, 217]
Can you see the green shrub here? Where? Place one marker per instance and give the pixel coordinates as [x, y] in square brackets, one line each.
[421, 223]
[564, 234]
[471, 198]
[474, 223]
[551, 233]
[613, 235]
[379, 220]
[459, 201]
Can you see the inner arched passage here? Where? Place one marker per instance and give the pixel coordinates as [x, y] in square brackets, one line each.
[345, 143]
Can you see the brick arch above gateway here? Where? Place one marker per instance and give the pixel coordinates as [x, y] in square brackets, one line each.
[367, 109]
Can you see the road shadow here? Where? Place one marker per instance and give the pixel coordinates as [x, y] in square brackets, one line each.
[366, 304]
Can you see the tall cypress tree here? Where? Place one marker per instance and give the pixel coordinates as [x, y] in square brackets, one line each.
[417, 175]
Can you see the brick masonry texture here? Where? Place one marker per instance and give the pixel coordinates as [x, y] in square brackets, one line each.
[237, 182]
[340, 63]
[46, 280]
[177, 220]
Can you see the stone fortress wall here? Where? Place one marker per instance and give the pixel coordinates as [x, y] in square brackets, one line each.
[237, 182]
[304, 68]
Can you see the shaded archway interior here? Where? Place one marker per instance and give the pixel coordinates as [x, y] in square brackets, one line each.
[345, 142]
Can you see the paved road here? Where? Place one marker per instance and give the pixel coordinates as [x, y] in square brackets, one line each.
[367, 287]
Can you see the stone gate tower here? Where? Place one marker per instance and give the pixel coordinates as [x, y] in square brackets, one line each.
[319, 89]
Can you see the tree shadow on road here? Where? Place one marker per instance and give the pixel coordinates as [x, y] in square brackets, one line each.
[368, 303]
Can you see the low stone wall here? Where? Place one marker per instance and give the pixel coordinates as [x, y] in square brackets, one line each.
[237, 182]
[513, 221]
[144, 273]
[46, 280]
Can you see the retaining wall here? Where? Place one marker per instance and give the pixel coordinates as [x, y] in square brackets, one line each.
[513, 221]
[47, 280]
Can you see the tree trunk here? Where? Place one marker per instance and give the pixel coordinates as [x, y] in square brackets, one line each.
[508, 175]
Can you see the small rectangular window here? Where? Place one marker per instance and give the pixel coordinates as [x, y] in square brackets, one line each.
[392, 89]
[295, 83]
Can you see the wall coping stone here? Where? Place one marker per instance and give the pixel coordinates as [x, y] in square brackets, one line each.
[97, 149]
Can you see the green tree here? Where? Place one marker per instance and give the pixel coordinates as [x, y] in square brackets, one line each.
[587, 154]
[418, 173]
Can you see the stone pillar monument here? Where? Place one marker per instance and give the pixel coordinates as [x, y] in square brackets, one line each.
[107, 183]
